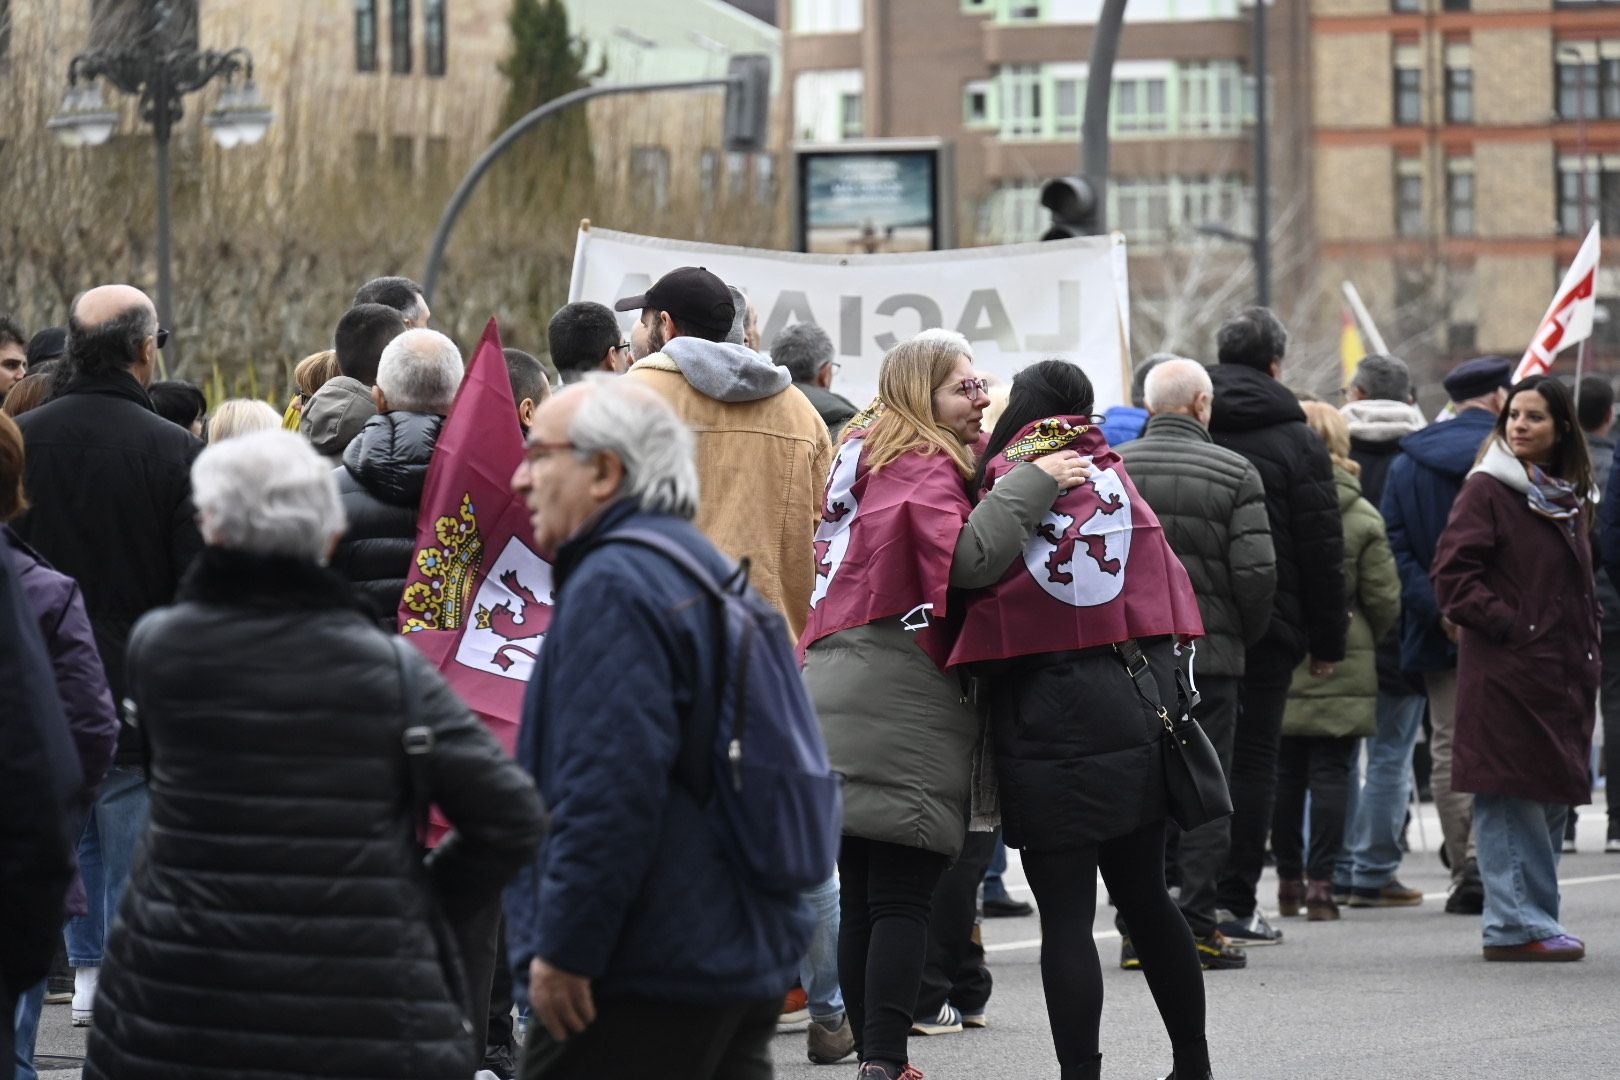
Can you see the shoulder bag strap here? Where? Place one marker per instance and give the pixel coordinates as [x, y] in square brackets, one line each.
[417, 739]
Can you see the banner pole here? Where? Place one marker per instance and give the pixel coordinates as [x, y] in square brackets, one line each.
[576, 280]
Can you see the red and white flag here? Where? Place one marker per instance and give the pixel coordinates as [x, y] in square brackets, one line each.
[479, 598]
[1569, 319]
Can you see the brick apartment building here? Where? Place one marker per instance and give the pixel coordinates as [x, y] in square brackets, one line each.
[1448, 150]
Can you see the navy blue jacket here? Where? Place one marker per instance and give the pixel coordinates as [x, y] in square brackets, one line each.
[1422, 484]
[631, 886]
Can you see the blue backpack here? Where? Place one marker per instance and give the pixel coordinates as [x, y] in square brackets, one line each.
[758, 750]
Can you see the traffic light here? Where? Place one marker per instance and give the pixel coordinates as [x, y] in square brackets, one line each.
[748, 102]
[1073, 202]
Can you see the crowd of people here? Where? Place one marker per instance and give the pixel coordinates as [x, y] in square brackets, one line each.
[217, 771]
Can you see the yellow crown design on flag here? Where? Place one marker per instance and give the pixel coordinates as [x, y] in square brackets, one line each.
[1045, 437]
[440, 602]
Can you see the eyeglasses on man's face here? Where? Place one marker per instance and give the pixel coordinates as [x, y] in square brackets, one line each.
[162, 336]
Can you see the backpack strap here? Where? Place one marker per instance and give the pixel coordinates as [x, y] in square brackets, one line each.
[417, 739]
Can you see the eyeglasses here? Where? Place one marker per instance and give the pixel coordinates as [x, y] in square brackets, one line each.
[162, 336]
[971, 387]
[539, 451]
[622, 346]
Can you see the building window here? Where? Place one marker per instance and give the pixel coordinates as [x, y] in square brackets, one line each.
[1066, 98]
[1455, 5]
[1588, 79]
[1602, 193]
[1024, 10]
[821, 106]
[401, 154]
[365, 35]
[765, 179]
[1460, 196]
[365, 152]
[1141, 106]
[436, 154]
[1409, 197]
[1408, 85]
[649, 175]
[433, 36]
[709, 176]
[1212, 97]
[736, 174]
[976, 110]
[827, 16]
[1021, 112]
[851, 115]
[1406, 7]
[1459, 84]
[399, 36]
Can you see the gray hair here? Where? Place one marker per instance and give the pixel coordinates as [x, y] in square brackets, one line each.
[1175, 384]
[804, 349]
[420, 371]
[269, 493]
[1383, 378]
[239, 416]
[655, 445]
[1140, 374]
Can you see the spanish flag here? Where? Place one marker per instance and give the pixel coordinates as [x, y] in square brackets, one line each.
[1351, 349]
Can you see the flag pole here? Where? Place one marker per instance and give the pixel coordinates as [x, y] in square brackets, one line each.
[1363, 319]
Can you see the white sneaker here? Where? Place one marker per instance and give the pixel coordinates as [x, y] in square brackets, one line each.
[84, 994]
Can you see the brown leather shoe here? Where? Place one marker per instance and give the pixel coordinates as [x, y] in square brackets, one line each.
[1290, 895]
[1392, 895]
[1319, 905]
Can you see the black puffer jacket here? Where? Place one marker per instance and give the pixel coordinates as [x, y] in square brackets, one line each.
[110, 481]
[1213, 510]
[380, 483]
[279, 921]
[1261, 419]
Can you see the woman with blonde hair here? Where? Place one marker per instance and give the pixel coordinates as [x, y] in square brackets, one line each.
[310, 374]
[898, 533]
[238, 416]
[1326, 718]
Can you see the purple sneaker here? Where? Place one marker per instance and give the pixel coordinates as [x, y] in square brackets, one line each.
[1556, 949]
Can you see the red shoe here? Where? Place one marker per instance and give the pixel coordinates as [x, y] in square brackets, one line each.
[795, 1007]
[1561, 948]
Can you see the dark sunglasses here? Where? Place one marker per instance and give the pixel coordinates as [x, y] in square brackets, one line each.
[162, 337]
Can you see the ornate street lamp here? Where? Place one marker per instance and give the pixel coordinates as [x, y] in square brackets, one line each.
[161, 72]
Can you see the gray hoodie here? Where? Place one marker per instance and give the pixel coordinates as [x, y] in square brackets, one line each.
[335, 415]
[726, 372]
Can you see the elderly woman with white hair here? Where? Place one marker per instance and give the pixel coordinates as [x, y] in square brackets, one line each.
[281, 919]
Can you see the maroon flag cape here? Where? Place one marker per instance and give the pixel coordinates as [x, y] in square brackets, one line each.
[1097, 569]
[885, 544]
[478, 598]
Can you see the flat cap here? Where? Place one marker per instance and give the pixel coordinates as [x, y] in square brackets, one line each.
[1478, 377]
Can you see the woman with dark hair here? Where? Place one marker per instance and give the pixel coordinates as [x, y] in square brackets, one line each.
[1076, 646]
[1513, 576]
[179, 402]
[897, 535]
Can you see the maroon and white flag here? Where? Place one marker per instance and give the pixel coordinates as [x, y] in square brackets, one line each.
[1096, 570]
[885, 544]
[479, 597]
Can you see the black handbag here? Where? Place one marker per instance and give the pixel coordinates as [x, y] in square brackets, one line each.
[1194, 782]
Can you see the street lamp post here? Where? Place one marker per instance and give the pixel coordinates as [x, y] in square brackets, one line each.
[161, 72]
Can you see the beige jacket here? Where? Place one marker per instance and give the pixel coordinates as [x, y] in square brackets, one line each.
[762, 466]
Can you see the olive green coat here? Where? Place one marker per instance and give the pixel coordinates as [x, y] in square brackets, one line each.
[900, 731]
[1345, 703]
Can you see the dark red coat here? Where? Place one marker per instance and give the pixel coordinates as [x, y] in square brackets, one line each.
[1520, 587]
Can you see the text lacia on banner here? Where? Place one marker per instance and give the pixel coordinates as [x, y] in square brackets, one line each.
[1016, 304]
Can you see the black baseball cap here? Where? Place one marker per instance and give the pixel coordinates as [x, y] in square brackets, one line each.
[697, 300]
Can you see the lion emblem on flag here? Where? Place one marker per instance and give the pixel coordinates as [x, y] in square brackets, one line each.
[1082, 562]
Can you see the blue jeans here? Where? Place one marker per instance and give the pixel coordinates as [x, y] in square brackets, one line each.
[29, 1007]
[1374, 840]
[1518, 842]
[818, 971]
[994, 887]
[106, 853]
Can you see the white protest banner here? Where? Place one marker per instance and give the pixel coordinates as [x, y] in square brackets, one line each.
[1017, 304]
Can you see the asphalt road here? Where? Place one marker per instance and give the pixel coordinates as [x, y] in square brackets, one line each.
[1398, 994]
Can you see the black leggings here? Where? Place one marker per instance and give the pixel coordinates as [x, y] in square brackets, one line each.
[885, 894]
[1065, 886]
